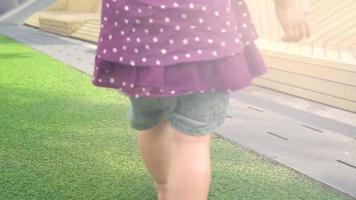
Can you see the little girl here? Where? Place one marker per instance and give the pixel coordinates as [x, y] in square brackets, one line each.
[178, 61]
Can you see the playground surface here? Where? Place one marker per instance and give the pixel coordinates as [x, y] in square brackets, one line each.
[63, 138]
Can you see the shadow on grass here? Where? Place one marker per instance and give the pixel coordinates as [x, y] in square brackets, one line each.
[5, 40]
[15, 55]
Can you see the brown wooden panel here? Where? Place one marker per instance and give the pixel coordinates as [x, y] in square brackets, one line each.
[313, 84]
[279, 51]
[332, 23]
[310, 95]
[312, 70]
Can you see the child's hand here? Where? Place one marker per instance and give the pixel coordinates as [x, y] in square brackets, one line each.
[292, 17]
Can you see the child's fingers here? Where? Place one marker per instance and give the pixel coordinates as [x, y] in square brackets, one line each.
[307, 29]
[285, 38]
[289, 34]
[292, 34]
[302, 29]
[297, 33]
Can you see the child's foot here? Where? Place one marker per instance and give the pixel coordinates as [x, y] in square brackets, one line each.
[162, 191]
[162, 196]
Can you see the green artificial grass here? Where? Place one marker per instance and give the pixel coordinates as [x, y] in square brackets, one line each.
[63, 138]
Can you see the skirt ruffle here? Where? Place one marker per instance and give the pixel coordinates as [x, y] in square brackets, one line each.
[226, 74]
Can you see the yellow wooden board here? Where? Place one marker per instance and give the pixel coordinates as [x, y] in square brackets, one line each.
[322, 72]
[89, 31]
[307, 94]
[79, 7]
[337, 90]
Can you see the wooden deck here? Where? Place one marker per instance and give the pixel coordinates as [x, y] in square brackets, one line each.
[321, 68]
[70, 18]
[333, 29]
[89, 31]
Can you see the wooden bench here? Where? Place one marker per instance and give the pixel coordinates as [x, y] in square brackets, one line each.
[321, 68]
[64, 22]
[65, 9]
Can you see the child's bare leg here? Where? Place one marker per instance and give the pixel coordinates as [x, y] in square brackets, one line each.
[190, 172]
[154, 146]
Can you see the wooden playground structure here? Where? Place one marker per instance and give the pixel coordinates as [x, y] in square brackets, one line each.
[72, 18]
[321, 68]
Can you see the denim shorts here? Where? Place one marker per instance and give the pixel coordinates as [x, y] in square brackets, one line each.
[193, 114]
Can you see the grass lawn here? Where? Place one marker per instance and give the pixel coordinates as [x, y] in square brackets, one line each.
[63, 138]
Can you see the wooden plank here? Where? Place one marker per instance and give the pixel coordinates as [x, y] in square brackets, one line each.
[318, 52]
[347, 43]
[33, 20]
[331, 25]
[280, 46]
[306, 50]
[320, 57]
[262, 24]
[353, 51]
[337, 64]
[332, 54]
[347, 56]
[82, 5]
[84, 34]
[325, 87]
[84, 37]
[319, 8]
[333, 28]
[310, 70]
[336, 40]
[94, 24]
[327, 15]
[310, 95]
[86, 28]
[87, 33]
[293, 48]
[269, 15]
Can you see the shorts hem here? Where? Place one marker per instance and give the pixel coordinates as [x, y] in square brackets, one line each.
[197, 132]
[142, 128]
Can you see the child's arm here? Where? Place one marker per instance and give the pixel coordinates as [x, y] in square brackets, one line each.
[292, 17]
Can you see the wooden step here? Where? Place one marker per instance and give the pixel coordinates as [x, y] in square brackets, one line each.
[315, 84]
[309, 54]
[88, 38]
[89, 31]
[33, 20]
[312, 70]
[329, 81]
[336, 102]
[86, 34]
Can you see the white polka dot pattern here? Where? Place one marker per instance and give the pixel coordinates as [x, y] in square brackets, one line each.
[160, 32]
[139, 39]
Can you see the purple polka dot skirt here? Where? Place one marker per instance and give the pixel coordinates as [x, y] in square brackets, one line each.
[226, 74]
[157, 48]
